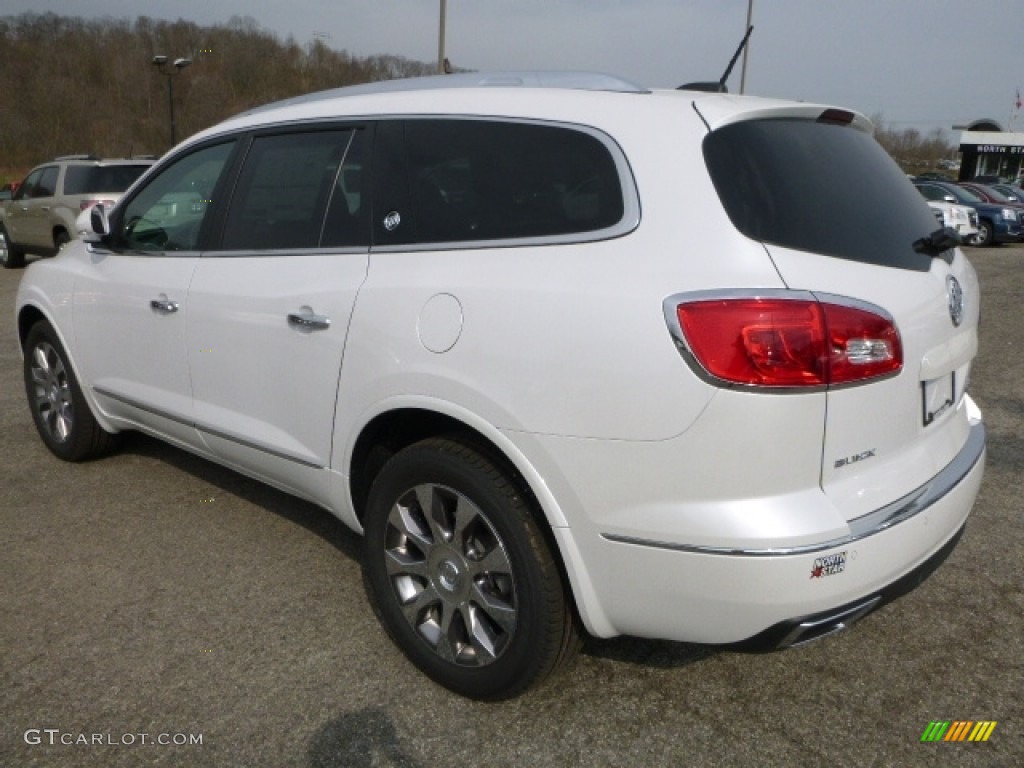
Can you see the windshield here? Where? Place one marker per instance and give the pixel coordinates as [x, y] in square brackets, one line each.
[965, 195]
[819, 187]
[996, 195]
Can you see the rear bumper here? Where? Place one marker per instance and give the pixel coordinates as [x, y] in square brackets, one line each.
[804, 629]
[777, 597]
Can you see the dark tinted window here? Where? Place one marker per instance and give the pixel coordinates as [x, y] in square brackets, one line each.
[86, 179]
[47, 184]
[468, 180]
[28, 186]
[819, 187]
[284, 189]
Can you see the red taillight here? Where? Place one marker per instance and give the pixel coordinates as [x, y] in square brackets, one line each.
[776, 342]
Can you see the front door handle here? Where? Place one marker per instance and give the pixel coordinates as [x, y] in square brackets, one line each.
[309, 321]
[164, 304]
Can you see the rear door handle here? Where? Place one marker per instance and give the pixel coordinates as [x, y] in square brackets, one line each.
[309, 321]
[164, 305]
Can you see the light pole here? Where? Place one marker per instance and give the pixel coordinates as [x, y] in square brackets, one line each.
[440, 38]
[160, 62]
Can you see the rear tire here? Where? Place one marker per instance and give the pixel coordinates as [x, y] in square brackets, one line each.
[60, 412]
[11, 257]
[460, 574]
[60, 239]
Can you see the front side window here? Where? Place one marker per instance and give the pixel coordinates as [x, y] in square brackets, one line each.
[286, 186]
[473, 180]
[167, 214]
[28, 186]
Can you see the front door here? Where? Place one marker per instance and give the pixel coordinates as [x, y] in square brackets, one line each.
[131, 303]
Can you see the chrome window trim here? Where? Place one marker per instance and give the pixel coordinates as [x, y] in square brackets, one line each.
[862, 527]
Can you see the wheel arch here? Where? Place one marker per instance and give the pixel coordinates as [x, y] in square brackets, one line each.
[30, 314]
[391, 430]
[399, 427]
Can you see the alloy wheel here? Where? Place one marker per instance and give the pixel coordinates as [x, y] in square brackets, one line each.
[451, 575]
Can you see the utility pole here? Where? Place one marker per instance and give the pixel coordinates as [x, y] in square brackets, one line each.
[440, 38]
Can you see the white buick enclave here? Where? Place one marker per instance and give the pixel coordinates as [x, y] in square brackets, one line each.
[573, 354]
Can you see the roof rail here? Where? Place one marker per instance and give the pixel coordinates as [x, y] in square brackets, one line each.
[76, 157]
[581, 81]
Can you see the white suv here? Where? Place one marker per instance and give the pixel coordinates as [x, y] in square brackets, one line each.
[573, 354]
[962, 218]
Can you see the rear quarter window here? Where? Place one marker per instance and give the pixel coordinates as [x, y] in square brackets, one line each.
[819, 187]
[465, 180]
[85, 179]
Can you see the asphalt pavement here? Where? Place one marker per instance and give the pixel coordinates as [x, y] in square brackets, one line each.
[156, 609]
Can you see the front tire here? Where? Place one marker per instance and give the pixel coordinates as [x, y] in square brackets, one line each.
[985, 235]
[460, 574]
[60, 412]
[11, 257]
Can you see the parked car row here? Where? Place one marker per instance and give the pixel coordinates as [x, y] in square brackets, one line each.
[998, 214]
[40, 216]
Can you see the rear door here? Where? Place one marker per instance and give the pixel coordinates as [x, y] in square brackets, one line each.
[270, 306]
[839, 219]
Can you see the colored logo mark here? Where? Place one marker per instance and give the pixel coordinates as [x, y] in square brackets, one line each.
[958, 730]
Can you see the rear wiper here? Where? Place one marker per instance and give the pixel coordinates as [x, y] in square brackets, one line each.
[939, 243]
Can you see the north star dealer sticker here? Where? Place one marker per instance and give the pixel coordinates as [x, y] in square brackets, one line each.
[828, 566]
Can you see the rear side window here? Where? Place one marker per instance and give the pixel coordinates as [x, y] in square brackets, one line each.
[819, 187]
[87, 179]
[475, 180]
[287, 184]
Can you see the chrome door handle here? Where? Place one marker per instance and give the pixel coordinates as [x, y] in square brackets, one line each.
[164, 305]
[310, 322]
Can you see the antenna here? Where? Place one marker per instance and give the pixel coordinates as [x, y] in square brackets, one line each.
[719, 87]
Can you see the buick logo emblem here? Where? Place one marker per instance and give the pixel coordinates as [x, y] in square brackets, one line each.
[956, 300]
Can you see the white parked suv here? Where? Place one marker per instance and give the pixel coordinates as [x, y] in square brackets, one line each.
[961, 218]
[574, 355]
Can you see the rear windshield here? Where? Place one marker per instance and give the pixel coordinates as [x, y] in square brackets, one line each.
[819, 187]
[86, 179]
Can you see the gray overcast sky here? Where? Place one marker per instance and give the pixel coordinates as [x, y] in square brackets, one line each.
[918, 63]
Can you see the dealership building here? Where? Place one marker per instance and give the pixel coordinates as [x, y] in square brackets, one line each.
[989, 150]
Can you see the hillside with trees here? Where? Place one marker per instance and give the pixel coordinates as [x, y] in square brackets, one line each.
[71, 85]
